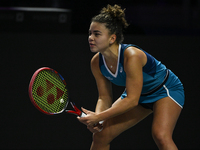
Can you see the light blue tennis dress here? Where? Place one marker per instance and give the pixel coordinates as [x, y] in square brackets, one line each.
[154, 73]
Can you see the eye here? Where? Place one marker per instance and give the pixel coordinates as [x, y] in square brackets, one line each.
[94, 33]
[97, 34]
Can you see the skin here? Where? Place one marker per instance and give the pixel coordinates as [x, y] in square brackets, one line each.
[124, 114]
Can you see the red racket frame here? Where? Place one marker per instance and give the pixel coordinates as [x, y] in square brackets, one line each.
[31, 84]
[76, 111]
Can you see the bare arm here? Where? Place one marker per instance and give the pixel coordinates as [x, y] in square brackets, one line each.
[105, 95]
[104, 86]
[134, 60]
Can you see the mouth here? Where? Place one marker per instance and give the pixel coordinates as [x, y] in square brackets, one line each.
[91, 45]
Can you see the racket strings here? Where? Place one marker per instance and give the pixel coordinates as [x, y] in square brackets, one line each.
[49, 92]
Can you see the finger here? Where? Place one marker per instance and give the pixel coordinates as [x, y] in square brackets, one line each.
[81, 120]
[98, 129]
[85, 110]
[93, 130]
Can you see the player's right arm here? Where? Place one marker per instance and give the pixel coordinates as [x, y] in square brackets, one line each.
[103, 85]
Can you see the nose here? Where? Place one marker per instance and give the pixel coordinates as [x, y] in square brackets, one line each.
[90, 38]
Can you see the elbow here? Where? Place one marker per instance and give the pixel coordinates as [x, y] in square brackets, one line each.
[135, 103]
[132, 103]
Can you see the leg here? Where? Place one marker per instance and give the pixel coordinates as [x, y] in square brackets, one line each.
[166, 113]
[115, 126]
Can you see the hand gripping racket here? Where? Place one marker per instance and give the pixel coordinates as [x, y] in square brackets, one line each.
[48, 93]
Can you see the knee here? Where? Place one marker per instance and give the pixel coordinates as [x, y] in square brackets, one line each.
[161, 137]
[101, 138]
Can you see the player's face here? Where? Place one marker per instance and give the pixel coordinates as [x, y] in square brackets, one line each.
[99, 37]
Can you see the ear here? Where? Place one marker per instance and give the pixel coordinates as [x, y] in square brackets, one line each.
[113, 38]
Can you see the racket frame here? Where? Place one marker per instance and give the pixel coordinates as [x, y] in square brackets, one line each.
[76, 111]
[30, 90]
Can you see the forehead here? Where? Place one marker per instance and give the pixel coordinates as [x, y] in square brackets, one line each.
[98, 26]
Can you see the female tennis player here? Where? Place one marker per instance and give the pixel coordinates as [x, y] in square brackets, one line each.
[149, 85]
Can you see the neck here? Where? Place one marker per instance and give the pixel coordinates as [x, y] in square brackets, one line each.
[111, 53]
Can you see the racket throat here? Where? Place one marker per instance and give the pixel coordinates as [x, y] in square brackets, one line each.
[73, 112]
[76, 111]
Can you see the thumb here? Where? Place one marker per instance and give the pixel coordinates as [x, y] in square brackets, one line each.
[85, 110]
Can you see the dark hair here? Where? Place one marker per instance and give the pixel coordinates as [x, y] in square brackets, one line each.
[114, 19]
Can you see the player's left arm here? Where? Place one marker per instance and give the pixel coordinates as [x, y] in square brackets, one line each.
[134, 60]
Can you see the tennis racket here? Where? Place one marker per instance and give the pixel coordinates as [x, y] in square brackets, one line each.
[48, 93]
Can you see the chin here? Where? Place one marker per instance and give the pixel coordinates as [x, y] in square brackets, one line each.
[93, 50]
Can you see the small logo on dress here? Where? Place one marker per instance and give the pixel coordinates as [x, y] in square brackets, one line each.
[121, 70]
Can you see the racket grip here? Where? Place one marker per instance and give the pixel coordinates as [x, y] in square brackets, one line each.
[82, 114]
[101, 122]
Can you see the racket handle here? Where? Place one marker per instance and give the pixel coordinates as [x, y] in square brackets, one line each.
[100, 122]
[82, 114]
[79, 113]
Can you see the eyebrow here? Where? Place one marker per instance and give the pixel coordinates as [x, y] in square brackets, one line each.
[96, 31]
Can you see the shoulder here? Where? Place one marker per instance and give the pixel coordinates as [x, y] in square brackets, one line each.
[95, 59]
[135, 54]
[95, 64]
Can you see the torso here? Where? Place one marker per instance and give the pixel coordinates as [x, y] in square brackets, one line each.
[153, 72]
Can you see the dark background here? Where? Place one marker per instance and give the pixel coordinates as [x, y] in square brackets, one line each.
[168, 30]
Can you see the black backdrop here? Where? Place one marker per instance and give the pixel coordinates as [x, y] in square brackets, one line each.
[24, 127]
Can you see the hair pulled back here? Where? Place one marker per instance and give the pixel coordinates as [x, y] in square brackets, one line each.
[114, 19]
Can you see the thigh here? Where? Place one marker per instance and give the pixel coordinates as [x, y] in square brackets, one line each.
[115, 126]
[166, 113]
